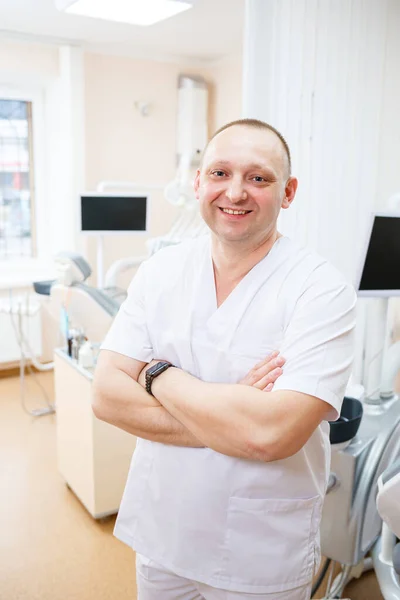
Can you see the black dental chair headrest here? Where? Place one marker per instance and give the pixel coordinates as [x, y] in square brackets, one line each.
[43, 287]
[346, 427]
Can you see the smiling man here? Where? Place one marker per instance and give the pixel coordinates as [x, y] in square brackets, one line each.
[225, 491]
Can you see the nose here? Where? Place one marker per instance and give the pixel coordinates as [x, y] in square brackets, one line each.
[236, 191]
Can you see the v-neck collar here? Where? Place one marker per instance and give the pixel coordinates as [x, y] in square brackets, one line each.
[243, 283]
[222, 322]
[217, 326]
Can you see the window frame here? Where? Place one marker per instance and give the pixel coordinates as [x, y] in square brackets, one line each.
[38, 201]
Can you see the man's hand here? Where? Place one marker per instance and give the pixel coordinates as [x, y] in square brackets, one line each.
[262, 376]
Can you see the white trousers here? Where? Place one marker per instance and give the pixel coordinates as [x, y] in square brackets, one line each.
[154, 582]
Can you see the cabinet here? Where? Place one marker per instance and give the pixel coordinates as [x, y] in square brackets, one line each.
[93, 456]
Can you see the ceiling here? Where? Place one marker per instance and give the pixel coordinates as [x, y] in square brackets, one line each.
[207, 32]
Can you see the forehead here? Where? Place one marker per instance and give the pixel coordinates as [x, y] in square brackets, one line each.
[241, 145]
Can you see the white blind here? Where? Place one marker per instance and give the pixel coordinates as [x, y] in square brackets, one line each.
[319, 71]
[325, 73]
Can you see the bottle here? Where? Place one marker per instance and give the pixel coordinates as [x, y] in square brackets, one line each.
[75, 348]
[86, 358]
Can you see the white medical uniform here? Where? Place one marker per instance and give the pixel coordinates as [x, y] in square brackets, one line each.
[232, 523]
[155, 582]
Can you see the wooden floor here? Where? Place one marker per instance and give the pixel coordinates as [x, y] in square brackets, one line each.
[50, 548]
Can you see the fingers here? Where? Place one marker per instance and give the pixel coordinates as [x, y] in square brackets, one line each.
[271, 377]
[267, 359]
[269, 365]
[265, 372]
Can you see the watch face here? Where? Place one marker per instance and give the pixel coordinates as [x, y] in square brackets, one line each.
[155, 369]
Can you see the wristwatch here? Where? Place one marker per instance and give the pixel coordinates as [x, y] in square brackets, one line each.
[154, 372]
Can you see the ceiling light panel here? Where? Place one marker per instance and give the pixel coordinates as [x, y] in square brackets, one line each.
[137, 12]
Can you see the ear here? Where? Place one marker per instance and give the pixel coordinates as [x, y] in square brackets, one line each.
[290, 192]
[196, 184]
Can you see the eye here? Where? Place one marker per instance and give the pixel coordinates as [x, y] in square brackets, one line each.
[258, 179]
[218, 173]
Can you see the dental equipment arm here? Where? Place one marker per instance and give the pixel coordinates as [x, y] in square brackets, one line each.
[188, 222]
[386, 554]
[388, 498]
[120, 266]
[239, 420]
[120, 400]
[390, 369]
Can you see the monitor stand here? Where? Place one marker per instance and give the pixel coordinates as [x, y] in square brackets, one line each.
[100, 261]
[378, 340]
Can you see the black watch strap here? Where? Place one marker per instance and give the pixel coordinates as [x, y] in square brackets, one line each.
[154, 371]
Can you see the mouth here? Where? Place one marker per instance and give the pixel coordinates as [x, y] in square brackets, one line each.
[236, 213]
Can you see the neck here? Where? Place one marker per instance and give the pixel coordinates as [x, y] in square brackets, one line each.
[233, 261]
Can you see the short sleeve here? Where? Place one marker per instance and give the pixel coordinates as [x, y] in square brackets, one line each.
[128, 333]
[319, 342]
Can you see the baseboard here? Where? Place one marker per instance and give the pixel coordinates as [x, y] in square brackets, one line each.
[11, 369]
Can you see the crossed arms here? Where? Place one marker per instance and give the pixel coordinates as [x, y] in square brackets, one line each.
[234, 419]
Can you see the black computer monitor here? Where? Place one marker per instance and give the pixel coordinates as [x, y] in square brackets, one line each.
[106, 214]
[380, 265]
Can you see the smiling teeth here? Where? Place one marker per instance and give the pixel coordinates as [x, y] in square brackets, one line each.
[234, 212]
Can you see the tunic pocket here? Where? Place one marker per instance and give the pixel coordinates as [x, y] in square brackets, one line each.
[270, 542]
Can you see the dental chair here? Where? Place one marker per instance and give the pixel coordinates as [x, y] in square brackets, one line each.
[363, 489]
[365, 442]
[89, 308]
[386, 552]
[94, 309]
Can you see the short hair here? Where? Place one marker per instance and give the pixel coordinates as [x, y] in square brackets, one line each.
[256, 124]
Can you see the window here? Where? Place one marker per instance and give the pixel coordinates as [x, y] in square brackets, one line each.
[16, 178]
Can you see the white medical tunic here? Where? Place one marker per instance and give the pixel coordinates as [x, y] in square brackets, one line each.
[234, 523]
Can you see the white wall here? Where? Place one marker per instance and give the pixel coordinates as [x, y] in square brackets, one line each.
[389, 142]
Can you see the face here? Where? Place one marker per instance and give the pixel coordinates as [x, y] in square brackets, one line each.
[243, 183]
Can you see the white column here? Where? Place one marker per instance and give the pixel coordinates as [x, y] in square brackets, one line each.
[258, 45]
[66, 149]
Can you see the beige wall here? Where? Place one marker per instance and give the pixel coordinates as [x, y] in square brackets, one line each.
[34, 61]
[123, 145]
[226, 78]
[120, 143]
